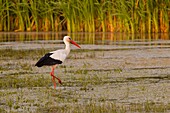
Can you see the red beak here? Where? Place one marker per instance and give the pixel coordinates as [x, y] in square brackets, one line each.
[72, 42]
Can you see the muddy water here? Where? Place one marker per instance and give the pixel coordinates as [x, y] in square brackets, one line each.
[108, 68]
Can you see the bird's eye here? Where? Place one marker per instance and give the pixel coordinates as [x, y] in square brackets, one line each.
[70, 38]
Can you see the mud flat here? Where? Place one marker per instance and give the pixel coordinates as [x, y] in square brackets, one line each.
[96, 78]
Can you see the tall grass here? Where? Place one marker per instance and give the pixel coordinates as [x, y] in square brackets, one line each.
[131, 16]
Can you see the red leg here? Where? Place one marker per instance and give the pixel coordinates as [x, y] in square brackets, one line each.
[53, 80]
[54, 77]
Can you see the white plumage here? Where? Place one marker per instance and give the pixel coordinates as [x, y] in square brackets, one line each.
[60, 54]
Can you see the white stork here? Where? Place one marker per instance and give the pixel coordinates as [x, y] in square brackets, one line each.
[57, 57]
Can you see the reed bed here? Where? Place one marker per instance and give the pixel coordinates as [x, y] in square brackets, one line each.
[131, 16]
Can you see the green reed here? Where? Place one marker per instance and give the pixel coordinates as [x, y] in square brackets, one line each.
[131, 16]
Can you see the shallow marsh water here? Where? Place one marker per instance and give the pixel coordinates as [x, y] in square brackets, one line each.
[109, 74]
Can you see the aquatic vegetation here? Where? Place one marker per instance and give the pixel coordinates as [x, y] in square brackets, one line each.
[130, 16]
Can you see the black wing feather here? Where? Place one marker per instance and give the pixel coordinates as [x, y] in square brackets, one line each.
[47, 60]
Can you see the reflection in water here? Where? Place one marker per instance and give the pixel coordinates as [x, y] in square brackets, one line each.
[83, 38]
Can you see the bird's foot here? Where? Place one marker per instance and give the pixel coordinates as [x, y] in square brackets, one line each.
[54, 77]
[59, 81]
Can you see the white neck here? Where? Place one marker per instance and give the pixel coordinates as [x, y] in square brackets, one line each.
[67, 47]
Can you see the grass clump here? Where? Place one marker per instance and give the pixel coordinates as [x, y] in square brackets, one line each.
[149, 107]
[20, 82]
[87, 108]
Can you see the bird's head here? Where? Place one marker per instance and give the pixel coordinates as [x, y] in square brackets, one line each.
[68, 39]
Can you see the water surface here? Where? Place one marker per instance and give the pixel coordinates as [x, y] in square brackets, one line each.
[10, 39]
